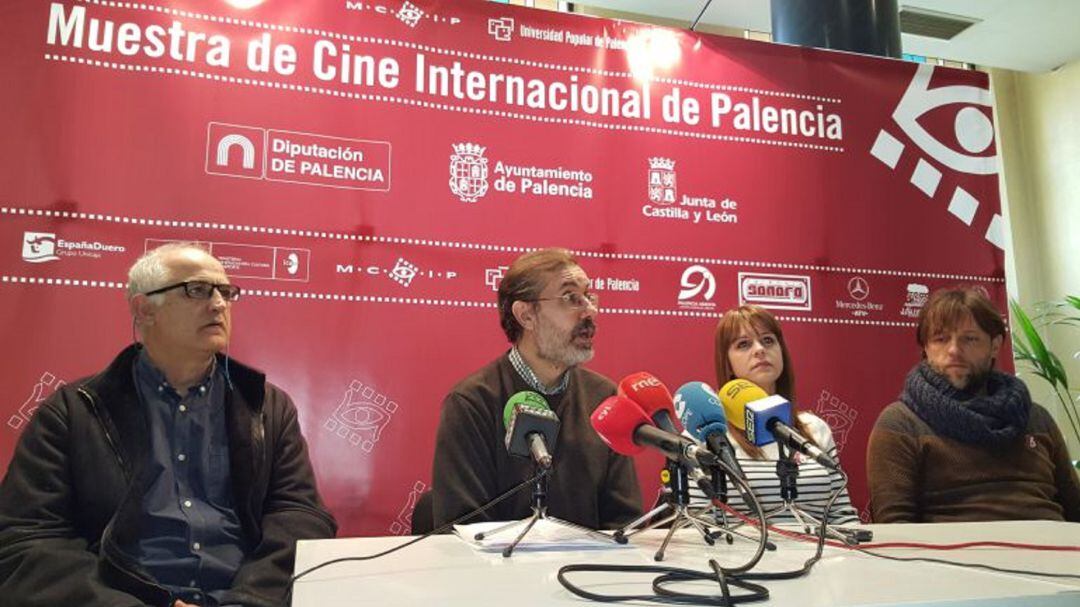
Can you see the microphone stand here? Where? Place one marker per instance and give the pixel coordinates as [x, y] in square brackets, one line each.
[539, 512]
[787, 469]
[676, 499]
[713, 515]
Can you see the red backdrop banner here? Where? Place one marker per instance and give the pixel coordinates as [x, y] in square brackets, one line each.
[367, 170]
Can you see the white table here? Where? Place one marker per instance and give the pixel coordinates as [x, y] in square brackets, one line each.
[446, 571]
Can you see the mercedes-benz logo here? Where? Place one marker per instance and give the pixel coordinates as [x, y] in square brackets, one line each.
[858, 288]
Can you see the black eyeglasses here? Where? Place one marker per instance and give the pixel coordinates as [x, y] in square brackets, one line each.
[200, 289]
[575, 300]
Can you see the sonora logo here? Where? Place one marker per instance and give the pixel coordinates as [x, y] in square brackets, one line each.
[779, 291]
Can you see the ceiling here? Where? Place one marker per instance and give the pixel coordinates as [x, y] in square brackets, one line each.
[1025, 35]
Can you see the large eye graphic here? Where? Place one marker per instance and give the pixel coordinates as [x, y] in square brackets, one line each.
[960, 115]
[363, 415]
[973, 129]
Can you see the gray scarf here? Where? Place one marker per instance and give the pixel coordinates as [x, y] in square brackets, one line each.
[994, 419]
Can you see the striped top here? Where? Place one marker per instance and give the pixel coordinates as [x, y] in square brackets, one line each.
[815, 482]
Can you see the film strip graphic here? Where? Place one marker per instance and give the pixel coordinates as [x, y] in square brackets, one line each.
[698, 285]
[432, 301]
[478, 246]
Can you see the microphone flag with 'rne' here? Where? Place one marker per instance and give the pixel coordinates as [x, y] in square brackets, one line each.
[768, 420]
[653, 397]
[531, 426]
[702, 414]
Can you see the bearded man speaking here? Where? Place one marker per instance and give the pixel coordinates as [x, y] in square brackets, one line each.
[549, 316]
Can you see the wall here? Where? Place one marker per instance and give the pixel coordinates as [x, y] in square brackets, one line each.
[1039, 133]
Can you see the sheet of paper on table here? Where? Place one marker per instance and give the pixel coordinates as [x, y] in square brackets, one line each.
[544, 536]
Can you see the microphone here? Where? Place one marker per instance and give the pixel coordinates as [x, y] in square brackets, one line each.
[768, 420]
[531, 426]
[653, 397]
[734, 395]
[703, 417]
[625, 427]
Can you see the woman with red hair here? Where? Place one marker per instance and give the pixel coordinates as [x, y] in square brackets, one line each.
[750, 345]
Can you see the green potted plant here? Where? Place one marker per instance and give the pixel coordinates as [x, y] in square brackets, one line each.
[1030, 347]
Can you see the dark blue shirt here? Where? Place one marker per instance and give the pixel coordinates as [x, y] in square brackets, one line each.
[190, 539]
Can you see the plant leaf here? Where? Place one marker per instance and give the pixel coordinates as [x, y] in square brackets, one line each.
[1059, 370]
[1034, 341]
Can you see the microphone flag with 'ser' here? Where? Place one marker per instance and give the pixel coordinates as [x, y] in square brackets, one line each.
[734, 395]
[767, 419]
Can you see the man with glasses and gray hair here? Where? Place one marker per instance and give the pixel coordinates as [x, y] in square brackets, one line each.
[174, 477]
[548, 314]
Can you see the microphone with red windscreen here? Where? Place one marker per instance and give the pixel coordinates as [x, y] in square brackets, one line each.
[616, 420]
[625, 427]
[653, 397]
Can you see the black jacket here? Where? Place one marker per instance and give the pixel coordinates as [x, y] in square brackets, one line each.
[73, 490]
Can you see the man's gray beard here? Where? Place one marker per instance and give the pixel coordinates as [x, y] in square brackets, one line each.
[550, 348]
[573, 357]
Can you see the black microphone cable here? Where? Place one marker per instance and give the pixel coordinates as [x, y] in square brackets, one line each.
[661, 583]
[726, 578]
[820, 543]
[743, 486]
[500, 498]
[663, 596]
